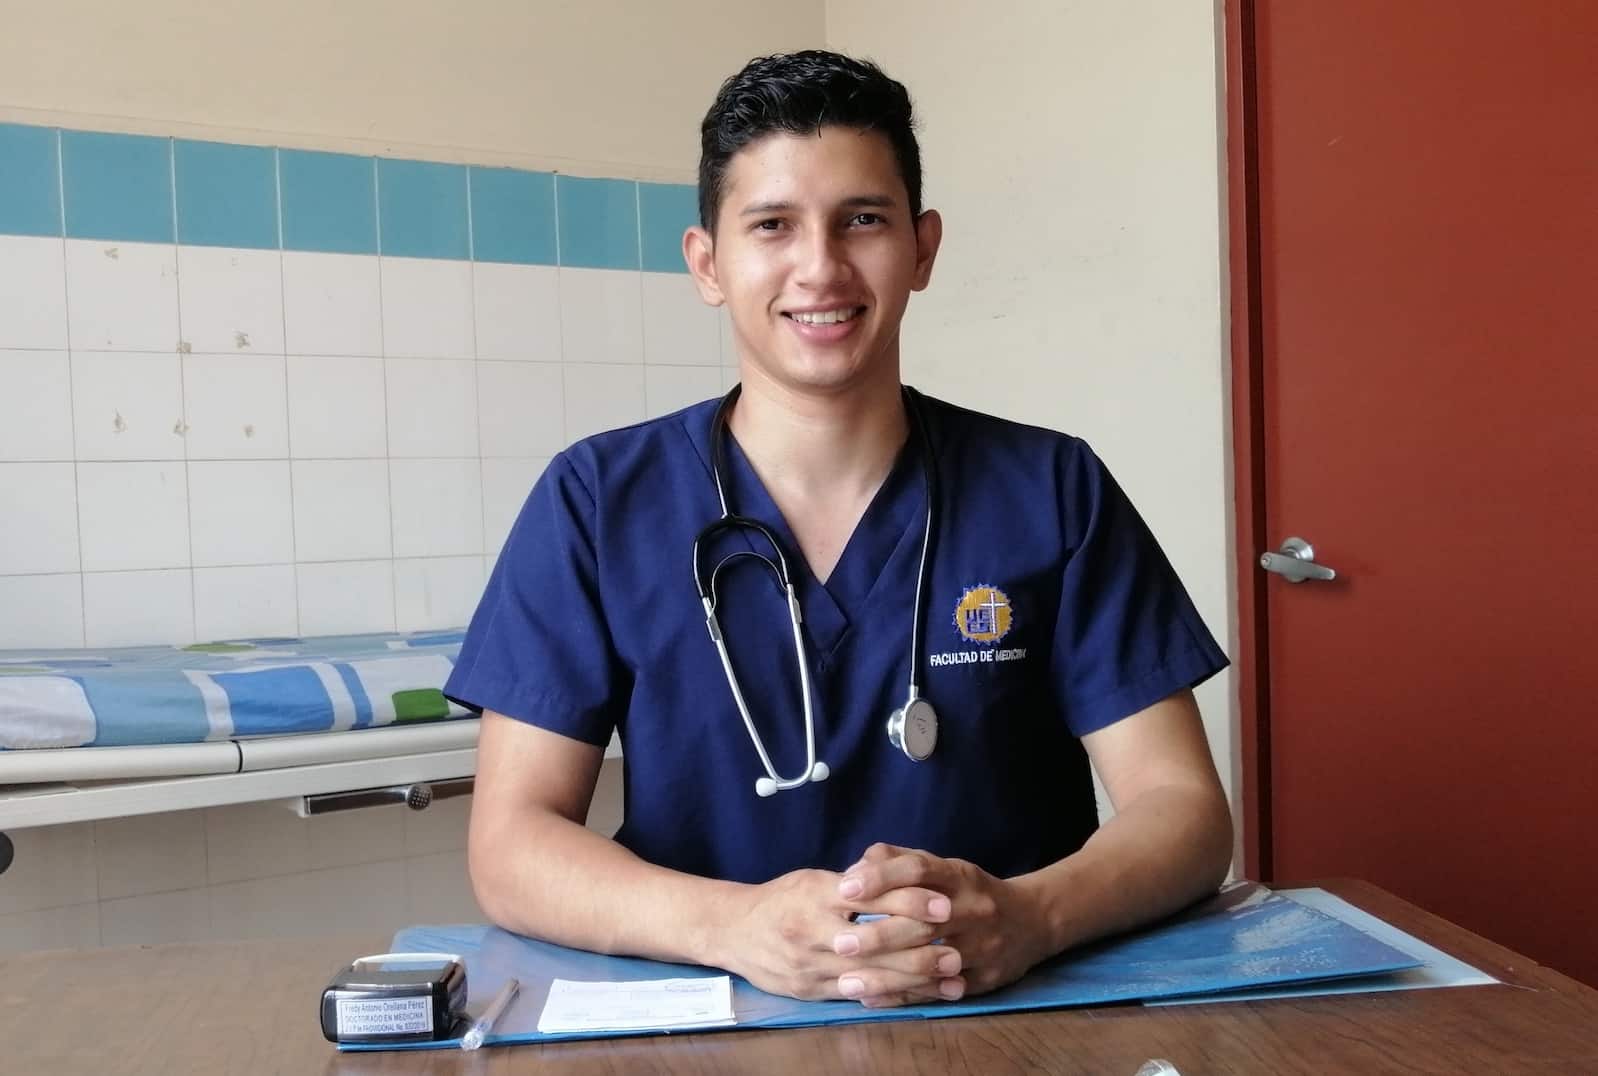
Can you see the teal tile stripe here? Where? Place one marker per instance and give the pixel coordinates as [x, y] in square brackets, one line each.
[227, 195]
[421, 210]
[118, 187]
[665, 211]
[30, 181]
[329, 202]
[513, 216]
[598, 222]
[137, 188]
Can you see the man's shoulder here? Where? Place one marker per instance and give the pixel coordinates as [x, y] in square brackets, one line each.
[629, 452]
[965, 427]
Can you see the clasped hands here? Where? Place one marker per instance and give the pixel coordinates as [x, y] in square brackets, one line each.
[948, 930]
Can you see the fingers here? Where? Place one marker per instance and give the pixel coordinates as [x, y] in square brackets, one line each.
[885, 868]
[879, 987]
[952, 989]
[912, 970]
[892, 934]
[926, 905]
[807, 947]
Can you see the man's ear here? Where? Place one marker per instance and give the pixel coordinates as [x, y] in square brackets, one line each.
[699, 251]
[929, 235]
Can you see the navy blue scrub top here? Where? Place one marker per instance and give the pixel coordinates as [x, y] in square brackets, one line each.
[1051, 612]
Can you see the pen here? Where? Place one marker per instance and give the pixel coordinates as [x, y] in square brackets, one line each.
[485, 1023]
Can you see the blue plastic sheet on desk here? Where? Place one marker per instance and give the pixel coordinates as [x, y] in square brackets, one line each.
[1244, 937]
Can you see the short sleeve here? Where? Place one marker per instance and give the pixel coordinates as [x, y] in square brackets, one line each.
[539, 648]
[1127, 634]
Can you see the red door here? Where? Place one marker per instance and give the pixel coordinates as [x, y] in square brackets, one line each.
[1421, 257]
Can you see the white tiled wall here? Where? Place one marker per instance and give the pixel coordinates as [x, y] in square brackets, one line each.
[251, 871]
[202, 442]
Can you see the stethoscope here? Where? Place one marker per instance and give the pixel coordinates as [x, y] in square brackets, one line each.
[913, 727]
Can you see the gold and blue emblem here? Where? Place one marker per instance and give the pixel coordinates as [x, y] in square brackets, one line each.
[984, 614]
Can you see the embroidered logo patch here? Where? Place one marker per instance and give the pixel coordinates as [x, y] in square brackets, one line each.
[984, 614]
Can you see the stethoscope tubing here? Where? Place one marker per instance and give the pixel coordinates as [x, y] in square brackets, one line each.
[709, 598]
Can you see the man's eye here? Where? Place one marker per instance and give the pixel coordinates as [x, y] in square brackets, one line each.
[866, 219]
[769, 225]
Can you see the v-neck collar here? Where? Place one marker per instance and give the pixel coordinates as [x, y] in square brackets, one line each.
[889, 530]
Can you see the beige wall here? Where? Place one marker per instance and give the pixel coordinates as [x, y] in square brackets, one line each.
[614, 87]
[1075, 152]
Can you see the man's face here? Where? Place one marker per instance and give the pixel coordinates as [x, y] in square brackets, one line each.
[815, 256]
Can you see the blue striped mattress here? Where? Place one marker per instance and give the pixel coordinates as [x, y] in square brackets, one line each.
[220, 691]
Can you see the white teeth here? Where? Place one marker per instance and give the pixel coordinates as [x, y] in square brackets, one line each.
[825, 317]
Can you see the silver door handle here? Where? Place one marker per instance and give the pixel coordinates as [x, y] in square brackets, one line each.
[1295, 562]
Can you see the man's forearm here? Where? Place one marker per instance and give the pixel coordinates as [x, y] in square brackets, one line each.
[1168, 848]
[551, 878]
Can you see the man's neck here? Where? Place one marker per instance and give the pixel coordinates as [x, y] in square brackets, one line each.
[808, 447]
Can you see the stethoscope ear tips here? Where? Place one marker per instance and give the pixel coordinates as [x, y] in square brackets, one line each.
[767, 786]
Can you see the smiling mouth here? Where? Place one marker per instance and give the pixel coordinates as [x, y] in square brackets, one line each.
[826, 317]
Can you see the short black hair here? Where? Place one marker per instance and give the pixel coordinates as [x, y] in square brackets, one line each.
[800, 93]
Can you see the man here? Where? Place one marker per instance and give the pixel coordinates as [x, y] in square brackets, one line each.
[994, 568]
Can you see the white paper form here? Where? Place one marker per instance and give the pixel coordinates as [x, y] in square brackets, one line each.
[634, 1006]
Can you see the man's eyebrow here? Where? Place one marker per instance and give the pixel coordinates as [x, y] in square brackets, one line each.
[858, 201]
[870, 201]
[766, 207]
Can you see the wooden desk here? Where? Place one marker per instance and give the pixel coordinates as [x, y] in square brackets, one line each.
[250, 1007]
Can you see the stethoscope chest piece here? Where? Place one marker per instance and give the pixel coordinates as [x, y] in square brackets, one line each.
[913, 729]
